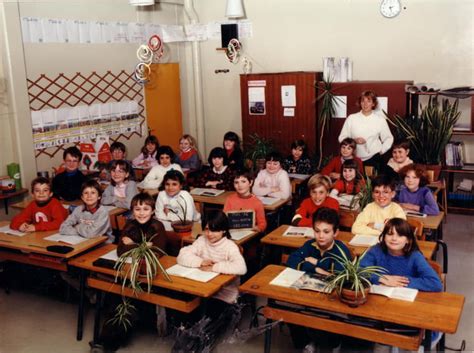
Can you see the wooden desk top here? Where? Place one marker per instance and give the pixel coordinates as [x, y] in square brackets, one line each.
[113, 212]
[430, 311]
[220, 200]
[179, 284]
[276, 238]
[12, 194]
[197, 230]
[35, 243]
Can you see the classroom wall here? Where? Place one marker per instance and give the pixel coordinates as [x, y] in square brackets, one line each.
[430, 41]
[52, 59]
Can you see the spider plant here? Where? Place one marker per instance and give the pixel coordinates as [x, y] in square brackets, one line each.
[430, 132]
[122, 315]
[352, 276]
[257, 148]
[183, 206]
[364, 197]
[328, 102]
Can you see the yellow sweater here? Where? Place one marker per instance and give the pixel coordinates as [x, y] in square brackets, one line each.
[373, 213]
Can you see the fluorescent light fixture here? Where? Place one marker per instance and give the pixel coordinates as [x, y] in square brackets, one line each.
[235, 9]
[141, 2]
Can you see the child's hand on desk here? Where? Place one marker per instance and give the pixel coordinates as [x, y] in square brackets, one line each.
[206, 265]
[22, 227]
[127, 241]
[410, 206]
[311, 260]
[30, 228]
[376, 226]
[322, 272]
[394, 281]
[213, 184]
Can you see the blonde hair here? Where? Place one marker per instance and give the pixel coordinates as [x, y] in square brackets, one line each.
[318, 180]
[190, 139]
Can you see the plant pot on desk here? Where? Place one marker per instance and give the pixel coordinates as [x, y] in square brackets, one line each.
[353, 298]
[433, 171]
[182, 228]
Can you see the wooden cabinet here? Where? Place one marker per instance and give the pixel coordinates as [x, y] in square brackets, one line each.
[283, 130]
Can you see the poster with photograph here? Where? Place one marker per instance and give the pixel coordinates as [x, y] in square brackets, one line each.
[257, 100]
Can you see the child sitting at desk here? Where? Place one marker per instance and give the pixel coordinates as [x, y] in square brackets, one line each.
[351, 180]
[319, 187]
[67, 185]
[43, 213]
[219, 175]
[188, 157]
[243, 199]
[309, 258]
[121, 190]
[154, 178]
[216, 252]
[415, 195]
[173, 203]
[348, 148]
[119, 153]
[231, 144]
[400, 159]
[147, 157]
[298, 162]
[273, 181]
[373, 217]
[90, 220]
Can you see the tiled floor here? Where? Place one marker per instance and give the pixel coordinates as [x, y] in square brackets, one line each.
[37, 323]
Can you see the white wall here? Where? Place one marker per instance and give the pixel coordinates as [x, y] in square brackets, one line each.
[430, 41]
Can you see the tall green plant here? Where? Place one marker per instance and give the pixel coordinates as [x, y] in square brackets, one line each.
[257, 148]
[430, 132]
[184, 209]
[327, 109]
[364, 197]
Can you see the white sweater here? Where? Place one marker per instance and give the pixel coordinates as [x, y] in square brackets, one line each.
[266, 181]
[155, 176]
[228, 260]
[182, 199]
[373, 128]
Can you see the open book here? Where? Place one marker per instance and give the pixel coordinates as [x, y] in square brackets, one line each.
[237, 234]
[299, 176]
[68, 239]
[7, 230]
[268, 200]
[191, 273]
[206, 192]
[364, 240]
[303, 232]
[402, 293]
[300, 280]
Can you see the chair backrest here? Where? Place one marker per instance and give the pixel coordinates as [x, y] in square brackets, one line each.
[369, 170]
[417, 227]
[438, 269]
[346, 219]
[121, 221]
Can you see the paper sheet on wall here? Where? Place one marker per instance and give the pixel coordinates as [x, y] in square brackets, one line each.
[152, 29]
[50, 32]
[340, 107]
[95, 32]
[288, 96]
[35, 30]
[382, 105]
[195, 32]
[214, 30]
[288, 112]
[245, 29]
[136, 32]
[257, 100]
[119, 32]
[172, 33]
[72, 30]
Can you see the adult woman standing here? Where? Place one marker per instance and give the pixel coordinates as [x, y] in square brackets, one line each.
[369, 130]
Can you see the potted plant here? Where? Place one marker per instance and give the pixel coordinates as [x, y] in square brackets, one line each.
[183, 225]
[133, 265]
[364, 197]
[256, 151]
[352, 282]
[430, 132]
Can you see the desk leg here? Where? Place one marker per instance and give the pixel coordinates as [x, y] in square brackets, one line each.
[427, 341]
[268, 337]
[80, 314]
[98, 307]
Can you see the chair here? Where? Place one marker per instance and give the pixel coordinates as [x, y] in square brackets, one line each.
[417, 227]
[346, 219]
[369, 170]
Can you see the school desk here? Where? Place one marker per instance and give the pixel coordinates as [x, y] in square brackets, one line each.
[297, 181]
[276, 238]
[188, 296]
[197, 230]
[113, 213]
[6, 196]
[429, 312]
[31, 249]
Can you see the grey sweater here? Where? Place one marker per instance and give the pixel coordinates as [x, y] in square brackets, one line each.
[109, 198]
[88, 225]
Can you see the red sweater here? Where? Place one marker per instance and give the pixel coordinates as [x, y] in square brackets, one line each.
[308, 207]
[347, 187]
[47, 217]
[335, 164]
[235, 203]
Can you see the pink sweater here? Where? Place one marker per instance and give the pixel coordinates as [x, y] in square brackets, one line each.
[228, 260]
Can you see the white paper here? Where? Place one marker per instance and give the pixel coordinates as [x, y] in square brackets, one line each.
[299, 176]
[288, 112]
[382, 105]
[72, 29]
[245, 29]
[401, 293]
[25, 29]
[151, 29]
[119, 32]
[214, 30]
[95, 31]
[268, 200]
[136, 32]
[173, 33]
[288, 96]
[68, 239]
[287, 277]
[195, 32]
[35, 30]
[237, 234]
[113, 256]
[50, 32]
[7, 230]
[191, 273]
[84, 31]
[303, 232]
[340, 107]
[257, 100]
[61, 29]
[364, 240]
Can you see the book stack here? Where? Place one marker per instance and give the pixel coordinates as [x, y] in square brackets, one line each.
[454, 154]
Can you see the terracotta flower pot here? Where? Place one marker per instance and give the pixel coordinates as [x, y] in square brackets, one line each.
[349, 297]
[180, 227]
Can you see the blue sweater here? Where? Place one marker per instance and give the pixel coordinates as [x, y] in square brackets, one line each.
[422, 197]
[419, 272]
[310, 249]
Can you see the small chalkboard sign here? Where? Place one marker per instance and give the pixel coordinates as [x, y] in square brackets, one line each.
[241, 219]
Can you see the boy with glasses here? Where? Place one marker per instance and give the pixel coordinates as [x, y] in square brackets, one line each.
[67, 185]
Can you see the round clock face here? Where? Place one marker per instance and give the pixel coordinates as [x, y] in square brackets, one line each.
[390, 8]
